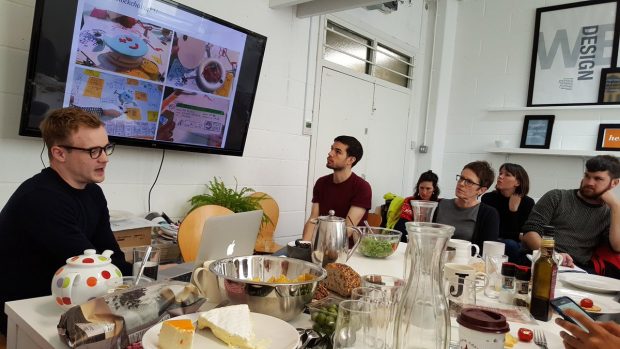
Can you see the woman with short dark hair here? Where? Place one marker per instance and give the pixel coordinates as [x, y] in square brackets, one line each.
[473, 220]
[513, 205]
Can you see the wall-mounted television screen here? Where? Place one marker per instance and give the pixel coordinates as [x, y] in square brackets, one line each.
[158, 73]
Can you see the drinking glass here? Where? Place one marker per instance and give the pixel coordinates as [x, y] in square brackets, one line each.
[494, 275]
[367, 294]
[152, 264]
[354, 325]
[383, 307]
[391, 285]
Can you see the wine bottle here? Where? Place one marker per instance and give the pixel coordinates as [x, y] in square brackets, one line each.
[543, 280]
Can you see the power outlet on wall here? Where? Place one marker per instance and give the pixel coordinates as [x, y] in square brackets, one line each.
[423, 149]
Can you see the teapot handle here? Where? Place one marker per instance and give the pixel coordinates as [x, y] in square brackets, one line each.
[66, 291]
[357, 240]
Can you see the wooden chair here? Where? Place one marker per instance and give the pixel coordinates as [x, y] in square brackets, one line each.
[374, 220]
[264, 240]
[190, 230]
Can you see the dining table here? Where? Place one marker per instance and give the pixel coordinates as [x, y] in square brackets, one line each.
[32, 322]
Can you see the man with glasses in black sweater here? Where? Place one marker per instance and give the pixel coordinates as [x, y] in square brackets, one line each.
[59, 212]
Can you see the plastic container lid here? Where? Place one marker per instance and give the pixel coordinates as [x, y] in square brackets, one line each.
[483, 321]
[508, 269]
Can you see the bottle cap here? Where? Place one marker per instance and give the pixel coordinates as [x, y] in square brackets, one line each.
[523, 273]
[483, 320]
[508, 269]
[548, 243]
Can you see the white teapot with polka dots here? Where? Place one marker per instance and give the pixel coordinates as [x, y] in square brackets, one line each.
[85, 277]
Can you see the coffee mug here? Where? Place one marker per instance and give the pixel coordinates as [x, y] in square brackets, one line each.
[461, 291]
[463, 250]
[206, 283]
[463, 271]
[493, 248]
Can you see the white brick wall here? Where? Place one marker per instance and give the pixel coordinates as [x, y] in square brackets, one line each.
[276, 155]
[491, 68]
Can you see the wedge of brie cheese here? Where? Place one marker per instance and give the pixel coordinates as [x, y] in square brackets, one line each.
[176, 334]
[230, 324]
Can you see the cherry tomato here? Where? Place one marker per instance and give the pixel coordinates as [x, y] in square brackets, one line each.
[586, 303]
[525, 334]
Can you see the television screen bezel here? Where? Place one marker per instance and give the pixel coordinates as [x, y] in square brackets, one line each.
[25, 130]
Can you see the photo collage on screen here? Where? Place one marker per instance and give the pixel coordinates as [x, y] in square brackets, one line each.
[146, 81]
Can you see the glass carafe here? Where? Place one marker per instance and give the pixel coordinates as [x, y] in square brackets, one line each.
[423, 320]
[422, 211]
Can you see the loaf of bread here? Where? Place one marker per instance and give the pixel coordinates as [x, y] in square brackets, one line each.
[342, 279]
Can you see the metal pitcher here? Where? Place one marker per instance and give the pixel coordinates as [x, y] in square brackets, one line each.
[330, 240]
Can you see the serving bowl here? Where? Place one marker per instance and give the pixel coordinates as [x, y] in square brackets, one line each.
[245, 280]
[378, 242]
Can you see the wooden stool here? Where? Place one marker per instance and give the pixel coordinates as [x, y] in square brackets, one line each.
[264, 241]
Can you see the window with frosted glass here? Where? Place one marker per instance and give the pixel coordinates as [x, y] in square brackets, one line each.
[392, 66]
[367, 56]
[346, 48]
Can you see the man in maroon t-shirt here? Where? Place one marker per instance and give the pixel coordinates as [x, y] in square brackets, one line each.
[343, 191]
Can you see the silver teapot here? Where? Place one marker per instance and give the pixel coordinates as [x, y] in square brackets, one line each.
[330, 240]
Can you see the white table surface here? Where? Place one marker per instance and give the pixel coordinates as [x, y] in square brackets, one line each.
[32, 322]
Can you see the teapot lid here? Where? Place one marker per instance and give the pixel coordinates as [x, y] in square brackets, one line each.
[331, 217]
[91, 258]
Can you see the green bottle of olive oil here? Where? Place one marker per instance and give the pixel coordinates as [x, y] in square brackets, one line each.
[543, 280]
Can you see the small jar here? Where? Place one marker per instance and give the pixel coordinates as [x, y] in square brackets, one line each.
[522, 286]
[507, 291]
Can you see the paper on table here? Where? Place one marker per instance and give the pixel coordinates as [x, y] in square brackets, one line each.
[131, 223]
[575, 269]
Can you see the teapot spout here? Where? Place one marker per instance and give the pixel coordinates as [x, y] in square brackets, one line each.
[107, 253]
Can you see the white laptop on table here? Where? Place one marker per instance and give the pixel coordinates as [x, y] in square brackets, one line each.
[222, 236]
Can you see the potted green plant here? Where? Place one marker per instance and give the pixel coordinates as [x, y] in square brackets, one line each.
[234, 199]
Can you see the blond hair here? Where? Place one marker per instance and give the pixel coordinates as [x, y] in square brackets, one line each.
[60, 124]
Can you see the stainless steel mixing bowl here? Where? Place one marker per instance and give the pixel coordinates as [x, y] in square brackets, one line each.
[243, 280]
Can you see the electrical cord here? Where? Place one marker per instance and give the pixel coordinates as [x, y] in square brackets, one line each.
[41, 156]
[163, 155]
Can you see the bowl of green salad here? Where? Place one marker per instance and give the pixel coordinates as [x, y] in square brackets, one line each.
[378, 242]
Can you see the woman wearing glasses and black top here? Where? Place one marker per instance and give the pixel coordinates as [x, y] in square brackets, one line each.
[474, 221]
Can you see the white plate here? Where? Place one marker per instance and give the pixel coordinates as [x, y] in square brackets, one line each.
[276, 333]
[608, 306]
[591, 282]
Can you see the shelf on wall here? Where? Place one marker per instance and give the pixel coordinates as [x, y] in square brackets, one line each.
[551, 152]
[560, 107]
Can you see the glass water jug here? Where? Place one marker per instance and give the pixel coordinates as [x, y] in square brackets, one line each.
[422, 211]
[423, 320]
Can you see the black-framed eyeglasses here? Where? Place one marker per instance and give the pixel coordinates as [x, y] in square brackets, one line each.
[467, 182]
[94, 152]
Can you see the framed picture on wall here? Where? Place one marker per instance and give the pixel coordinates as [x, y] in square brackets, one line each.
[537, 131]
[609, 90]
[572, 43]
[608, 137]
